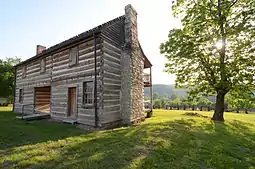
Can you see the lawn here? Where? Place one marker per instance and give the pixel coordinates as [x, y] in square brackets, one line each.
[167, 140]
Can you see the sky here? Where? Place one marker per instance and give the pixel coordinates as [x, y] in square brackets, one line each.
[27, 23]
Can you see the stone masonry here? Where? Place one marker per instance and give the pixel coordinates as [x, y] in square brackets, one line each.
[132, 87]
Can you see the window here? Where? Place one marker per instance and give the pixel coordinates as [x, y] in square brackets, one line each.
[88, 92]
[43, 65]
[21, 94]
[73, 56]
[24, 71]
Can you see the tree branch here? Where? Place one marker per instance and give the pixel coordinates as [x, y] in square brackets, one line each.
[230, 6]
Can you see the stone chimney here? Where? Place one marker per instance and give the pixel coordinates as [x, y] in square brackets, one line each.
[40, 49]
[132, 85]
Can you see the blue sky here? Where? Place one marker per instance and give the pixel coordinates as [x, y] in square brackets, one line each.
[24, 24]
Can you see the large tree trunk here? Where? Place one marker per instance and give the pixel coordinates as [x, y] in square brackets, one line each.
[219, 107]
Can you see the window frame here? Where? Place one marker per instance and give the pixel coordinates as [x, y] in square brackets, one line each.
[21, 95]
[85, 103]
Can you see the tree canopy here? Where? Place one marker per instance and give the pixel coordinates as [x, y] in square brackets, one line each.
[7, 77]
[213, 52]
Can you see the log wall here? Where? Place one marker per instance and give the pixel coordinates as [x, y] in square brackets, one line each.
[61, 76]
[64, 76]
[113, 40]
[34, 78]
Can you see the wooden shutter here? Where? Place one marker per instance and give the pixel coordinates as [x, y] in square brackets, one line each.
[73, 58]
[24, 71]
[43, 65]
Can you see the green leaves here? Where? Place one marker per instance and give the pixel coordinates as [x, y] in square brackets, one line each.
[193, 55]
[7, 76]
[241, 98]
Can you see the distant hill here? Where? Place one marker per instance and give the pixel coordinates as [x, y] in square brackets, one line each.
[169, 90]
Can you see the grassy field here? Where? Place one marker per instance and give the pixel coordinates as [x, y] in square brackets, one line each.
[168, 140]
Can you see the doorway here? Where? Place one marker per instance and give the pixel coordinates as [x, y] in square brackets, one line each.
[72, 102]
[42, 99]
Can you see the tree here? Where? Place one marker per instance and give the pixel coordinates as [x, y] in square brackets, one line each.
[155, 96]
[174, 96]
[185, 103]
[213, 51]
[177, 102]
[146, 98]
[7, 77]
[163, 101]
[157, 103]
[170, 104]
[204, 102]
[241, 99]
[194, 103]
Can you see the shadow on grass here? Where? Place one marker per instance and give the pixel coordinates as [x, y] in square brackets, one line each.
[183, 143]
[14, 132]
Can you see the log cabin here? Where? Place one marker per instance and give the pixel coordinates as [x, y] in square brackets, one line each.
[95, 78]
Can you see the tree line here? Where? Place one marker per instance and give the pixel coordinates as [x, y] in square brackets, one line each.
[244, 101]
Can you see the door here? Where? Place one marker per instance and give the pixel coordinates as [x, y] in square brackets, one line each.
[72, 103]
[42, 99]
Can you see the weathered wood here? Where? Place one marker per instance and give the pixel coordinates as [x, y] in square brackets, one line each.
[42, 99]
[111, 102]
[111, 53]
[34, 116]
[111, 58]
[111, 64]
[112, 81]
[112, 108]
[110, 117]
[112, 76]
[112, 70]
[111, 47]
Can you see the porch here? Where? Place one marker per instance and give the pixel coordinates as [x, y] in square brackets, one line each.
[147, 78]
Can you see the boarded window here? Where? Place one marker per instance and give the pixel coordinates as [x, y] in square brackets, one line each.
[24, 71]
[88, 92]
[73, 57]
[21, 94]
[43, 65]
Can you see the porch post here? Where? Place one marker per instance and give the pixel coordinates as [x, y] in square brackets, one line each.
[151, 90]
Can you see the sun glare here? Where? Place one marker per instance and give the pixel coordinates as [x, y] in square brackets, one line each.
[218, 45]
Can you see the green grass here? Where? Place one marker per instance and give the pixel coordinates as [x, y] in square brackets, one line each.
[167, 140]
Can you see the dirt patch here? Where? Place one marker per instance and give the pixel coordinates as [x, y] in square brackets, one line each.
[194, 114]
